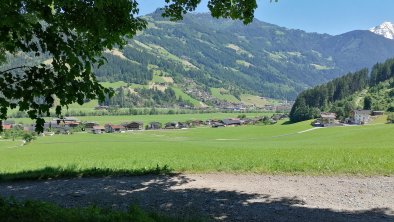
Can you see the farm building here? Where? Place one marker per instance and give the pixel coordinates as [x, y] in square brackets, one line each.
[135, 125]
[89, 125]
[183, 125]
[62, 123]
[98, 129]
[217, 124]
[153, 126]
[171, 125]
[109, 128]
[196, 122]
[326, 119]
[72, 124]
[361, 117]
[66, 120]
[232, 122]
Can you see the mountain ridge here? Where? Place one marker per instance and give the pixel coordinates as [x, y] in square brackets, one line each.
[202, 54]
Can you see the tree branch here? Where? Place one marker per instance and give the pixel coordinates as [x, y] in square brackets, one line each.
[19, 67]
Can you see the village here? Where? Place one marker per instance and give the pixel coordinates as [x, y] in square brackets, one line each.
[68, 125]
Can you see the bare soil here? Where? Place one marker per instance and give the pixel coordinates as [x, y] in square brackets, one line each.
[225, 197]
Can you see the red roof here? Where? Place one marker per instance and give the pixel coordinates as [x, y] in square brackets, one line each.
[98, 128]
[7, 126]
[117, 127]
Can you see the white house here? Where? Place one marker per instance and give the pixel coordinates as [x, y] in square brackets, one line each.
[361, 116]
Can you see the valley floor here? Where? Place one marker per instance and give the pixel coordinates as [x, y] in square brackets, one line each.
[225, 197]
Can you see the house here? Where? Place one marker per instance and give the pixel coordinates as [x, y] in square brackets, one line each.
[89, 125]
[7, 126]
[196, 122]
[217, 124]
[171, 125]
[65, 123]
[72, 124]
[110, 128]
[327, 119]
[153, 126]
[183, 125]
[361, 117]
[98, 129]
[232, 122]
[135, 125]
[65, 120]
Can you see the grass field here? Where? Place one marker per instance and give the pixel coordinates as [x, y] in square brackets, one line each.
[217, 92]
[185, 97]
[367, 150]
[248, 99]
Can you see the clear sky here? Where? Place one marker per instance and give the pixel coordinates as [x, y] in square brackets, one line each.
[322, 16]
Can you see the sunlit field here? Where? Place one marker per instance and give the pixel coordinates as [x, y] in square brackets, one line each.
[367, 150]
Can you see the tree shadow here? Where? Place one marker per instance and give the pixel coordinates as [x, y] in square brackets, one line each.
[288, 122]
[74, 172]
[167, 194]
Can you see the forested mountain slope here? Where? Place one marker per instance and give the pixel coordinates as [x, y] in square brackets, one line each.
[260, 58]
[360, 90]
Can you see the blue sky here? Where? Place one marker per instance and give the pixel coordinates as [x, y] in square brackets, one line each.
[322, 16]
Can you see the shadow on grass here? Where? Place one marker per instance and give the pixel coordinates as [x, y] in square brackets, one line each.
[288, 122]
[171, 195]
[74, 172]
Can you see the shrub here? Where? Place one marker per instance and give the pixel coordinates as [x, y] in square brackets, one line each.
[28, 137]
[390, 118]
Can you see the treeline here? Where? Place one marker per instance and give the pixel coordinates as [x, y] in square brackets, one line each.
[311, 102]
[382, 72]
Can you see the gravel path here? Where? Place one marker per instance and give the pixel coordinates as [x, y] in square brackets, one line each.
[226, 197]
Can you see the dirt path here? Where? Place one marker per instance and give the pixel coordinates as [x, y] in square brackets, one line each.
[226, 197]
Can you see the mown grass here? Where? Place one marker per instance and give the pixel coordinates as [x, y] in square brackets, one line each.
[38, 211]
[216, 92]
[185, 97]
[366, 150]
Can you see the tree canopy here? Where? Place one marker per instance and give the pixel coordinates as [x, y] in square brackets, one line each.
[68, 38]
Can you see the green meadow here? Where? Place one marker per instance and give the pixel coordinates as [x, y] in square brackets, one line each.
[274, 149]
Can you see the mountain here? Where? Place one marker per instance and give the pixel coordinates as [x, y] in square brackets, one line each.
[385, 29]
[212, 60]
[260, 58]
